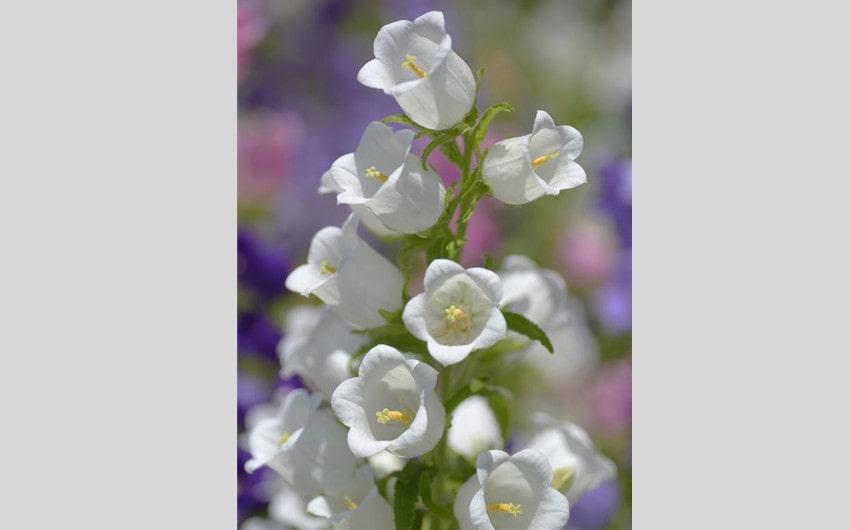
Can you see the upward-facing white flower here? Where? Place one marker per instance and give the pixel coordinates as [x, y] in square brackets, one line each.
[348, 275]
[458, 312]
[384, 177]
[578, 466]
[415, 64]
[522, 169]
[391, 405]
[317, 346]
[511, 492]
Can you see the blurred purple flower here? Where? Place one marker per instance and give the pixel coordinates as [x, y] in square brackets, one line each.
[255, 335]
[267, 144]
[250, 392]
[260, 268]
[252, 495]
[251, 27]
[595, 509]
[615, 197]
[611, 303]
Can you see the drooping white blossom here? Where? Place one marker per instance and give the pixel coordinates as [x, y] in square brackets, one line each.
[414, 62]
[390, 405]
[522, 169]
[578, 466]
[348, 275]
[386, 179]
[351, 501]
[511, 492]
[541, 296]
[474, 428]
[317, 346]
[301, 442]
[458, 312]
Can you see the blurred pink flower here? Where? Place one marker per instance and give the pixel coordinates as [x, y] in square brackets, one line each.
[608, 398]
[251, 28]
[587, 253]
[267, 144]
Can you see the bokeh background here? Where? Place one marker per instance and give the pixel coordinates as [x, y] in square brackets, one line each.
[300, 107]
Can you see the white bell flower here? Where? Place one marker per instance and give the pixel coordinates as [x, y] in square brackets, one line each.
[369, 219]
[384, 177]
[522, 169]
[350, 276]
[391, 405]
[301, 443]
[317, 346]
[415, 64]
[578, 466]
[458, 312]
[351, 502]
[511, 492]
[474, 428]
[288, 508]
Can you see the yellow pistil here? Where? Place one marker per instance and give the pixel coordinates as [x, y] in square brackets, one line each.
[505, 507]
[373, 172]
[410, 64]
[326, 269]
[284, 437]
[350, 503]
[540, 160]
[387, 415]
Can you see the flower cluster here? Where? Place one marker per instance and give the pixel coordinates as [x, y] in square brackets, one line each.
[402, 420]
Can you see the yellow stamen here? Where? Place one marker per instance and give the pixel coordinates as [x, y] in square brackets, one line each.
[410, 64]
[326, 269]
[504, 507]
[350, 503]
[387, 415]
[540, 160]
[284, 437]
[457, 323]
[373, 172]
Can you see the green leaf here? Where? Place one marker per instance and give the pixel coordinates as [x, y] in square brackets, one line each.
[520, 324]
[488, 262]
[401, 118]
[439, 140]
[406, 495]
[489, 114]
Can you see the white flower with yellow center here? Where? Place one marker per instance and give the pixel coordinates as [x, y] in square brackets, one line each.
[578, 466]
[391, 405]
[300, 442]
[522, 169]
[415, 64]
[351, 502]
[386, 179]
[317, 346]
[348, 275]
[458, 312]
[511, 492]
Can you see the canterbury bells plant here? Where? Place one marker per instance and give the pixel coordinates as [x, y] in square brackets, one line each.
[412, 400]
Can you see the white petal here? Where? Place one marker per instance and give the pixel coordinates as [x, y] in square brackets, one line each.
[474, 428]
[319, 506]
[439, 271]
[542, 120]
[375, 74]
[487, 461]
[414, 317]
[495, 330]
[478, 516]
[553, 511]
[463, 502]
[448, 355]
[489, 282]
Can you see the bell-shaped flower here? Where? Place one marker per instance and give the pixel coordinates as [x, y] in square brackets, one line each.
[415, 64]
[369, 219]
[391, 405]
[350, 276]
[300, 442]
[384, 177]
[522, 169]
[474, 428]
[317, 346]
[578, 466]
[511, 492]
[351, 502]
[458, 312]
